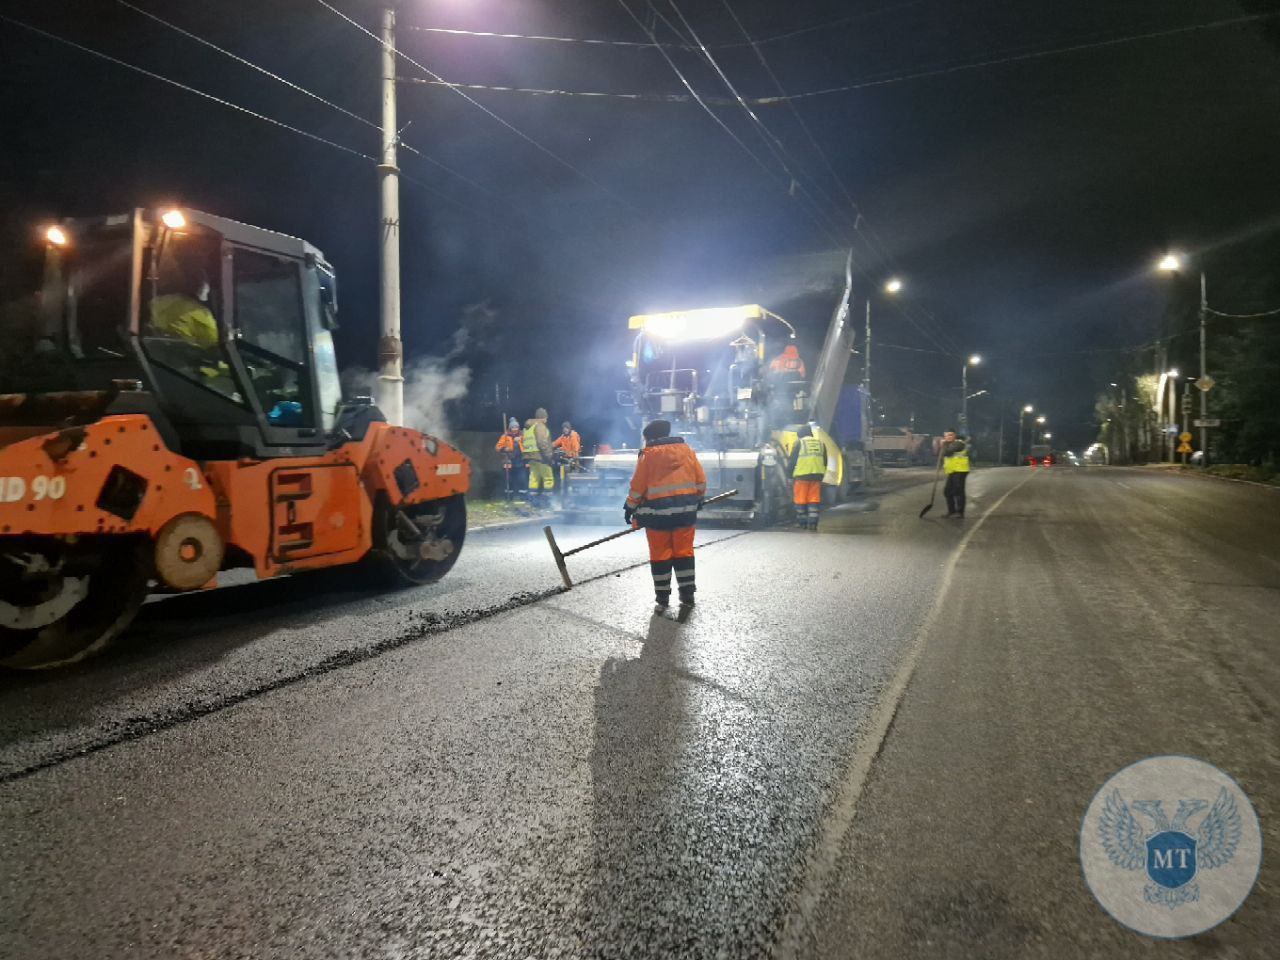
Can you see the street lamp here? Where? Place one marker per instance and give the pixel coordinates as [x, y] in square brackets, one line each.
[892, 286]
[1022, 413]
[973, 361]
[1172, 263]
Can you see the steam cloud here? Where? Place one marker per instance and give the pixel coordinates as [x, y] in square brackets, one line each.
[432, 383]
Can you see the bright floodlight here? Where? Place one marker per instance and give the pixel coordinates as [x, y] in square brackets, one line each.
[697, 324]
[173, 219]
[56, 236]
[1169, 263]
[974, 360]
[893, 286]
[1028, 409]
[1048, 435]
[1174, 373]
[1041, 419]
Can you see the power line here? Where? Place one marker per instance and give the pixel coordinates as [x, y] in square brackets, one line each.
[189, 89]
[480, 106]
[526, 36]
[774, 145]
[547, 92]
[1015, 58]
[706, 107]
[293, 86]
[1242, 316]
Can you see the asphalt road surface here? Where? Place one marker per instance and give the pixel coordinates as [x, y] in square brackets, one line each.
[878, 740]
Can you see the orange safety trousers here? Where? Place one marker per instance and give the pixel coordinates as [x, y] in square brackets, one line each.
[805, 492]
[671, 552]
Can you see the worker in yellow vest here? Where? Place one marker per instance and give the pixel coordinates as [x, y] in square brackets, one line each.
[535, 446]
[955, 464]
[808, 467]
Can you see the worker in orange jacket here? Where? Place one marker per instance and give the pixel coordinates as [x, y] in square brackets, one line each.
[788, 363]
[666, 491]
[509, 446]
[568, 443]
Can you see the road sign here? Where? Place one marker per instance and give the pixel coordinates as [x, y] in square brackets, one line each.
[1214, 422]
[1186, 403]
[1171, 429]
[1206, 383]
[1184, 436]
[1184, 448]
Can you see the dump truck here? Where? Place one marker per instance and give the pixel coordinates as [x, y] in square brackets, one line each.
[189, 421]
[715, 374]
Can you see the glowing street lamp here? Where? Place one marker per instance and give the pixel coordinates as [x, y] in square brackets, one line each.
[972, 361]
[56, 236]
[892, 286]
[1169, 263]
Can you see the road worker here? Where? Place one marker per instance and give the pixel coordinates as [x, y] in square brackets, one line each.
[955, 464]
[666, 491]
[508, 446]
[568, 444]
[808, 467]
[788, 364]
[185, 320]
[535, 447]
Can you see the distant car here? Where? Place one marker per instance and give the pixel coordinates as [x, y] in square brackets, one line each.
[1040, 455]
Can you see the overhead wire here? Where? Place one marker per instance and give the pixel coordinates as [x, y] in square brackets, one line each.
[296, 87]
[935, 335]
[182, 86]
[1020, 57]
[542, 148]
[774, 145]
[1242, 316]
[719, 121]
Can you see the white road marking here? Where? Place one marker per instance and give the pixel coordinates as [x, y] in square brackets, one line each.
[825, 857]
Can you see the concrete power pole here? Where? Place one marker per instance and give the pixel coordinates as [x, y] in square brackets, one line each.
[1204, 394]
[390, 347]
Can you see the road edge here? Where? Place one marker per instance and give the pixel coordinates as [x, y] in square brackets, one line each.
[836, 825]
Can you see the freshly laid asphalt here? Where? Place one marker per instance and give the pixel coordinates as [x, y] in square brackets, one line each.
[492, 767]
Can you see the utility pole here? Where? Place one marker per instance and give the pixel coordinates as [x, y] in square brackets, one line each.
[866, 362]
[1204, 393]
[390, 346]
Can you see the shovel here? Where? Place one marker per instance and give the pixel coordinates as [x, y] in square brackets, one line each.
[934, 494]
[560, 557]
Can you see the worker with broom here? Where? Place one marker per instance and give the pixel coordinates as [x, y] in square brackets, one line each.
[955, 464]
[666, 491]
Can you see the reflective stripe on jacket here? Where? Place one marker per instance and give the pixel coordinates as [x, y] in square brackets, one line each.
[668, 485]
[811, 461]
[955, 457]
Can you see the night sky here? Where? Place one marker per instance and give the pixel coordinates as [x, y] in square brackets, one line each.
[1022, 202]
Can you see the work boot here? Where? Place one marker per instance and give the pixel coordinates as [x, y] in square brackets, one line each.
[660, 602]
[686, 607]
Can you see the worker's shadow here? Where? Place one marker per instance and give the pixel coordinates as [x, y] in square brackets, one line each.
[643, 717]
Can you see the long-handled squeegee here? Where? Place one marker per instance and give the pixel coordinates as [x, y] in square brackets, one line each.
[561, 557]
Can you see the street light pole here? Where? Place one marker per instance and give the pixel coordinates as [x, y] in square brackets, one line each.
[1204, 393]
[1022, 413]
[390, 346]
